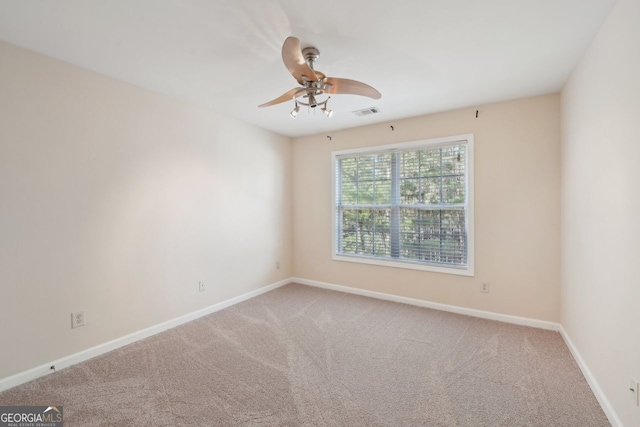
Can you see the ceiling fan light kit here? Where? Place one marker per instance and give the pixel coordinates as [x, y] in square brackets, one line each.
[314, 83]
[295, 111]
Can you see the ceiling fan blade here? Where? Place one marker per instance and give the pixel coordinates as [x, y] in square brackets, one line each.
[287, 96]
[294, 61]
[351, 87]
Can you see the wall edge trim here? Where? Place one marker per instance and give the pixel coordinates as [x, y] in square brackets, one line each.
[507, 318]
[81, 356]
[524, 321]
[73, 359]
[606, 406]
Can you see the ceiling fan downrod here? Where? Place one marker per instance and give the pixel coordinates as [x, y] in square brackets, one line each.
[311, 88]
[310, 55]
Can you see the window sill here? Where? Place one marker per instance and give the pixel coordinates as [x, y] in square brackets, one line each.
[463, 271]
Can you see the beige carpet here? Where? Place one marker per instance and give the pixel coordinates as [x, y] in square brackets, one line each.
[301, 356]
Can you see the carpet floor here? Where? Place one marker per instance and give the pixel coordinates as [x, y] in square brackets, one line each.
[302, 356]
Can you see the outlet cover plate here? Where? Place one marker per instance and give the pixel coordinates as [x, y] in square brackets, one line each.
[201, 285]
[77, 319]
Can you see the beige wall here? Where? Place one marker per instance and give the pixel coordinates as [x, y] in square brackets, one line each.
[117, 201]
[517, 209]
[601, 207]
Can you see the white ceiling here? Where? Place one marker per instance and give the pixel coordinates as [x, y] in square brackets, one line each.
[424, 56]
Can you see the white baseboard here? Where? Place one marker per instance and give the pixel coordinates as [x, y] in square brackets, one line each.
[525, 321]
[595, 387]
[542, 324]
[42, 370]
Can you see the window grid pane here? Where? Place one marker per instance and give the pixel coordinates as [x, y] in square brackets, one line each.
[430, 205]
[366, 232]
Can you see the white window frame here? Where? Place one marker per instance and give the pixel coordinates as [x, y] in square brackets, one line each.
[469, 215]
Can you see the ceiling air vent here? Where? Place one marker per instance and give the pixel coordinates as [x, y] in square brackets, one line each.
[366, 111]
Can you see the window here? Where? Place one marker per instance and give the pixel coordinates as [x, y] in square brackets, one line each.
[406, 205]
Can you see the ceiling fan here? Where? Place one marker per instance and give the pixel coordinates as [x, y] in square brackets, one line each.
[314, 83]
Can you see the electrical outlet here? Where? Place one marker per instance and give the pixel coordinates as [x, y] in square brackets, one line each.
[484, 288]
[277, 265]
[201, 285]
[635, 393]
[77, 319]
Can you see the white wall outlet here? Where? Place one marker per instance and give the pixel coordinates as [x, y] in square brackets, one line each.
[201, 285]
[277, 265]
[77, 319]
[635, 393]
[484, 287]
